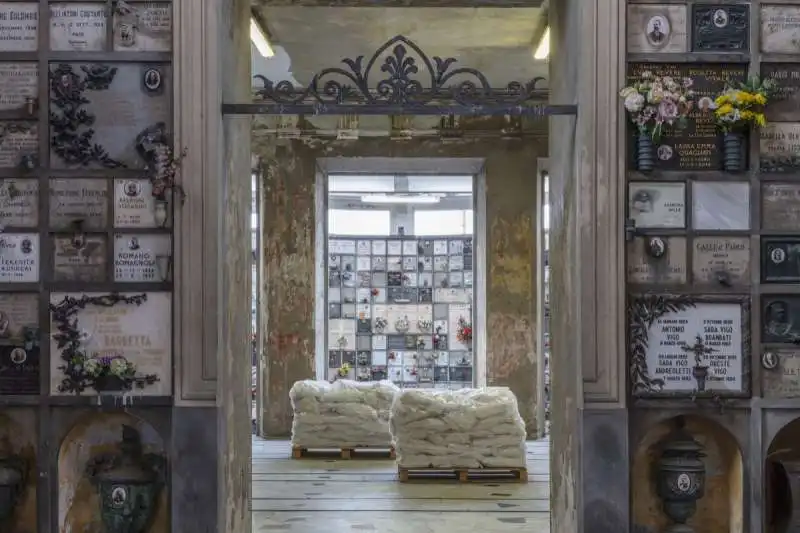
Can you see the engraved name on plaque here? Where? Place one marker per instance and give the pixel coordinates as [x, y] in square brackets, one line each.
[78, 27]
[779, 147]
[19, 83]
[721, 260]
[74, 200]
[780, 259]
[780, 206]
[142, 258]
[720, 28]
[782, 381]
[780, 29]
[142, 334]
[780, 318]
[19, 258]
[20, 342]
[19, 203]
[657, 205]
[134, 206]
[143, 27]
[697, 146]
[654, 28]
[784, 103]
[17, 141]
[650, 261]
[79, 258]
[19, 26]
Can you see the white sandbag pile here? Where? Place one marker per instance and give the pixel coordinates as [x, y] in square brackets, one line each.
[341, 414]
[466, 428]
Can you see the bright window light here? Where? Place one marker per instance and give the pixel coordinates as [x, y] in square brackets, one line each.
[543, 50]
[359, 222]
[260, 39]
[450, 222]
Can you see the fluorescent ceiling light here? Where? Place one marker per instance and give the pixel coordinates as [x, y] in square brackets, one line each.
[397, 199]
[543, 50]
[260, 39]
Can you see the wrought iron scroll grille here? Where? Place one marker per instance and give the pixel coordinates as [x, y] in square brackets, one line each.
[399, 78]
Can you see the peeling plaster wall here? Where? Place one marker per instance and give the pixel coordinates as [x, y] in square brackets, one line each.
[288, 294]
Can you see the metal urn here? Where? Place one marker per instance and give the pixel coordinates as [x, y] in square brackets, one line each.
[680, 477]
[128, 483]
[12, 485]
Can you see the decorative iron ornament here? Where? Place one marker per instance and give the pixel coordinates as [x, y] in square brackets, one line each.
[399, 78]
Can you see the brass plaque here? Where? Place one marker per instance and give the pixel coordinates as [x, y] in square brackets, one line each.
[18, 83]
[17, 141]
[19, 203]
[667, 269]
[73, 200]
[79, 258]
[782, 381]
[143, 27]
[125, 100]
[78, 27]
[19, 26]
[780, 29]
[20, 342]
[19, 257]
[721, 258]
[779, 147]
[657, 28]
[142, 258]
[780, 206]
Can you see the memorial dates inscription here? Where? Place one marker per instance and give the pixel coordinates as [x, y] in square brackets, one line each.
[699, 145]
[143, 27]
[681, 346]
[784, 103]
[780, 209]
[18, 141]
[19, 343]
[19, 83]
[780, 26]
[19, 26]
[779, 148]
[73, 200]
[780, 259]
[657, 260]
[79, 258]
[19, 203]
[720, 28]
[782, 380]
[19, 258]
[78, 27]
[721, 260]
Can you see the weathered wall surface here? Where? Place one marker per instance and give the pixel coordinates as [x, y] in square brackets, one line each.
[289, 243]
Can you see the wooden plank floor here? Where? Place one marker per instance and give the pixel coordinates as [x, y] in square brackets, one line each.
[364, 496]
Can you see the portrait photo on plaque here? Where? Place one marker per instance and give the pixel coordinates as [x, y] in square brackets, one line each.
[684, 346]
[75, 200]
[140, 334]
[142, 258]
[19, 26]
[19, 203]
[19, 82]
[781, 373]
[720, 28]
[143, 27]
[79, 257]
[20, 341]
[657, 205]
[780, 318]
[134, 205]
[19, 257]
[19, 144]
[657, 29]
[780, 259]
[78, 27]
[720, 205]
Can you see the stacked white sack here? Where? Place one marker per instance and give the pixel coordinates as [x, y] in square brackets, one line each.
[467, 428]
[341, 414]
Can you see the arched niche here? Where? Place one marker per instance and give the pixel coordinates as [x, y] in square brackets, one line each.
[782, 479]
[721, 508]
[18, 440]
[91, 436]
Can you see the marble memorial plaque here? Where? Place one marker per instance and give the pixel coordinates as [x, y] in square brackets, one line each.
[134, 206]
[141, 334]
[780, 317]
[19, 26]
[780, 206]
[19, 203]
[721, 205]
[20, 341]
[143, 27]
[644, 267]
[782, 381]
[80, 258]
[142, 258]
[136, 99]
[779, 147]
[720, 28]
[780, 29]
[18, 140]
[784, 104]
[697, 146]
[656, 28]
[671, 363]
[19, 258]
[721, 260]
[780, 259]
[657, 205]
[78, 199]
[78, 27]
[19, 82]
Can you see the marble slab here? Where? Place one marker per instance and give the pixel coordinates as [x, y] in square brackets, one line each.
[720, 205]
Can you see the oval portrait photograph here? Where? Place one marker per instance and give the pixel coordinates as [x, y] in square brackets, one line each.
[657, 31]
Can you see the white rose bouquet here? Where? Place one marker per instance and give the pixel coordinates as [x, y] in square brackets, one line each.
[654, 102]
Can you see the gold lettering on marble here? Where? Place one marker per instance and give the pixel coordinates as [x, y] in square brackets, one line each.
[19, 26]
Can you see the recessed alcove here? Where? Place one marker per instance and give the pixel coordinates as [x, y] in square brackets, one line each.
[90, 437]
[18, 445]
[782, 479]
[720, 510]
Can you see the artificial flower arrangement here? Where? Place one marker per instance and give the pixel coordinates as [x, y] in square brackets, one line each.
[344, 370]
[380, 324]
[738, 108]
[464, 331]
[114, 372]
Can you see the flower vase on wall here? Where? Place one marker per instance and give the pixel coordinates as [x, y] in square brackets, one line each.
[645, 153]
[732, 151]
[160, 213]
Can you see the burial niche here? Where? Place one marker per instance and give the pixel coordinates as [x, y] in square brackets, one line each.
[782, 480]
[18, 470]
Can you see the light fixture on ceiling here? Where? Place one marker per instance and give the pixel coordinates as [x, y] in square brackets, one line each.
[400, 199]
[543, 50]
[259, 39]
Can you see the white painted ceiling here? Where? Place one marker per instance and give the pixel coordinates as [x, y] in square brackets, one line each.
[500, 42]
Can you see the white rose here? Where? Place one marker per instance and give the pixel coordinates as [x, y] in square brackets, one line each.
[634, 102]
[119, 366]
[91, 366]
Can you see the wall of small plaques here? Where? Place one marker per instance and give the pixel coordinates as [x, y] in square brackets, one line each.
[400, 308]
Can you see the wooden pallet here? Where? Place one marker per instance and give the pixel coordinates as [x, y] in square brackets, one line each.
[463, 475]
[344, 453]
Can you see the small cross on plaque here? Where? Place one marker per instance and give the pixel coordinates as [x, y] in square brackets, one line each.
[700, 371]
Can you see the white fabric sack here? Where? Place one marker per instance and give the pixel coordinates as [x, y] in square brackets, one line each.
[343, 414]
